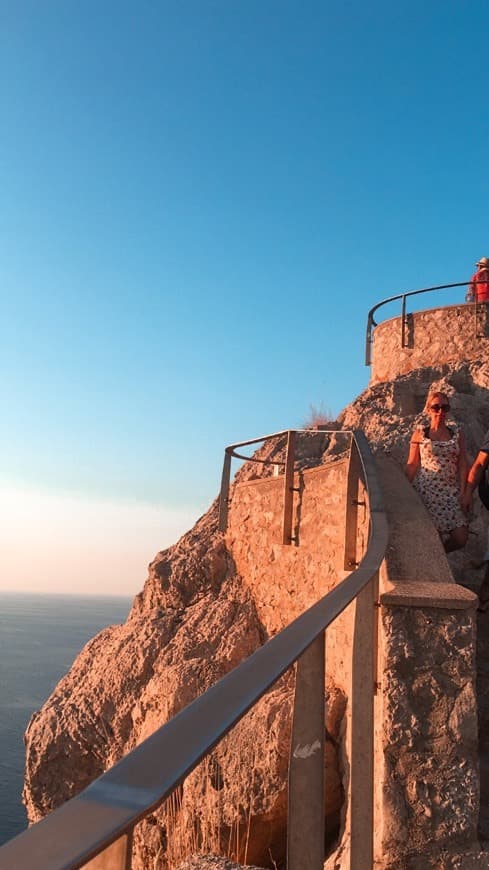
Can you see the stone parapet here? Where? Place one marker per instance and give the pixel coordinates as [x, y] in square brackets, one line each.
[444, 596]
[432, 338]
[426, 747]
[427, 728]
[425, 756]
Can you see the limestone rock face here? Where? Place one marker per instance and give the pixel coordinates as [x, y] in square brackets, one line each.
[194, 621]
[388, 412]
[192, 624]
[432, 788]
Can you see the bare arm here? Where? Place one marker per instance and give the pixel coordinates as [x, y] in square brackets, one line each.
[414, 457]
[478, 466]
[474, 475]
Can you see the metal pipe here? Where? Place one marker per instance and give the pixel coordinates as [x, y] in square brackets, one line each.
[237, 455]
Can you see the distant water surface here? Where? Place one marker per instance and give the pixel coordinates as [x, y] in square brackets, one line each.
[40, 636]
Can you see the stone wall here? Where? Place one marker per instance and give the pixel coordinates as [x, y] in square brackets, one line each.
[287, 579]
[425, 759]
[426, 710]
[427, 724]
[432, 338]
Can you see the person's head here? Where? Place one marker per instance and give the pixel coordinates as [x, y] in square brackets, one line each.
[483, 263]
[437, 405]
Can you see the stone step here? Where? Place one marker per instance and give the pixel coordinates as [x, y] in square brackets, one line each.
[213, 862]
[467, 861]
[462, 861]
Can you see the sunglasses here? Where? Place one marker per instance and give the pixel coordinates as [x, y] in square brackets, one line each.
[437, 407]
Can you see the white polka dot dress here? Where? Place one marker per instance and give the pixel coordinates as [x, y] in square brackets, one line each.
[437, 481]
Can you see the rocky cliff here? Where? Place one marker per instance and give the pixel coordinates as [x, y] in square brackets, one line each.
[194, 621]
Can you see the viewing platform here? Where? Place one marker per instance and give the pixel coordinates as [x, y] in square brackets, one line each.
[432, 337]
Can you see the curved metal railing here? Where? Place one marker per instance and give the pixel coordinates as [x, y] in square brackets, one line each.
[100, 820]
[231, 453]
[371, 323]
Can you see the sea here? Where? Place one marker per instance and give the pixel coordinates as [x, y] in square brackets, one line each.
[40, 636]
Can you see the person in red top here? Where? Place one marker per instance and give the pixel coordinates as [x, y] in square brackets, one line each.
[479, 292]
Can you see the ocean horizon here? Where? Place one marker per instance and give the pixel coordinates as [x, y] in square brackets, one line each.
[40, 636]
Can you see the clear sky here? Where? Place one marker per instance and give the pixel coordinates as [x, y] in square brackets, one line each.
[200, 201]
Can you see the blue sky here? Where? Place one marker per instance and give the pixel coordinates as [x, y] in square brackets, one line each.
[200, 203]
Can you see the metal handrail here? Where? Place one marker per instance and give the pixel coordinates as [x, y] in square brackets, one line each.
[110, 807]
[232, 447]
[370, 317]
[230, 453]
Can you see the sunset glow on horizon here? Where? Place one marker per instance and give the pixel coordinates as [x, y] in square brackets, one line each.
[62, 543]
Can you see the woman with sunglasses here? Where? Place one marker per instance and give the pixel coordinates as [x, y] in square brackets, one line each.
[437, 467]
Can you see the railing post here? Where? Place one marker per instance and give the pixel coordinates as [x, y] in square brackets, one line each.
[288, 489]
[364, 685]
[224, 494]
[116, 857]
[368, 340]
[351, 511]
[403, 322]
[305, 828]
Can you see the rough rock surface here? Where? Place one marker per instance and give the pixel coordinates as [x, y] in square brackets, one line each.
[235, 803]
[431, 790]
[388, 412]
[192, 623]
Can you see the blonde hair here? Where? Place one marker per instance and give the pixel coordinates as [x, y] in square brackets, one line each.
[432, 395]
